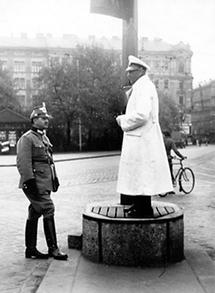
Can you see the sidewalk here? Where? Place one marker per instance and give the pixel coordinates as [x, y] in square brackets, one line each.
[82, 182]
[196, 274]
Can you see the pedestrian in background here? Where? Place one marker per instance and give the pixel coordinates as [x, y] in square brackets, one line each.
[37, 179]
[200, 141]
[143, 169]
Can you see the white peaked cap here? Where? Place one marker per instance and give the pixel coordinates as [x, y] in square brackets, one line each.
[132, 60]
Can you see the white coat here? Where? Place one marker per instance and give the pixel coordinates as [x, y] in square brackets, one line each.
[143, 168]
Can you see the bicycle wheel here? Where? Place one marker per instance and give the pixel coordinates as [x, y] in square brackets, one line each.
[186, 180]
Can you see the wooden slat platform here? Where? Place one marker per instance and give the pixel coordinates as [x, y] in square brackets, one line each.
[120, 211]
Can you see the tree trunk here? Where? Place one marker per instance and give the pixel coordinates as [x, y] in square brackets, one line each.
[89, 140]
[68, 134]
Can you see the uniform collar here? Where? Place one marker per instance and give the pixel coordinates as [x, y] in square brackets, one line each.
[39, 131]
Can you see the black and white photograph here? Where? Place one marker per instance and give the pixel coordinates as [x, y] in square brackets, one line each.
[107, 146]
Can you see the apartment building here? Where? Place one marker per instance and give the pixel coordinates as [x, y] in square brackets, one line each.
[24, 57]
[203, 111]
[170, 69]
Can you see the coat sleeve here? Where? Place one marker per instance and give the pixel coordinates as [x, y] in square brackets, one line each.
[24, 158]
[142, 100]
[174, 148]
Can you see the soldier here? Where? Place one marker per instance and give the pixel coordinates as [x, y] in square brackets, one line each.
[38, 178]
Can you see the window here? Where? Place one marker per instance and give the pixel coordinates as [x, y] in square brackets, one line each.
[213, 100]
[181, 100]
[157, 83]
[36, 66]
[3, 136]
[3, 64]
[19, 83]
[34, 83]
[181, 85]
[19, 66]
[181, 67]
[166, 83]
[12, 138]
[164, 65]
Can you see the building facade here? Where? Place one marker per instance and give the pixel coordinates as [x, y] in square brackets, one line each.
[24, 57]
[170, 69]
[203, 111]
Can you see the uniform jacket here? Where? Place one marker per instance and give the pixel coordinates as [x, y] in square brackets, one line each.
[34, 160]
[143, 168]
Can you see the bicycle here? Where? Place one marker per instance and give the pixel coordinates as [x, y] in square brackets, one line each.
[185, 176]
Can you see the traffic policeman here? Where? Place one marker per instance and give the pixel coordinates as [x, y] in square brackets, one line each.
[37, 179]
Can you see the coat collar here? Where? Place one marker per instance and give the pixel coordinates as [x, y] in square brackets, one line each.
[140, 79]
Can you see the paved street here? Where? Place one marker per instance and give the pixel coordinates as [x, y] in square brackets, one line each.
[82, 182]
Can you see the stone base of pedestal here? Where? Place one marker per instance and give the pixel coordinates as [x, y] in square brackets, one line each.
[112, 238]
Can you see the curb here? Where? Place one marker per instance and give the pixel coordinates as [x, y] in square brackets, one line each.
[203, 268]
[60, 275]
[74, 159]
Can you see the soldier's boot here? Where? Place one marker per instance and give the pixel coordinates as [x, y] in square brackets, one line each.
[31, 241]
[51, 239]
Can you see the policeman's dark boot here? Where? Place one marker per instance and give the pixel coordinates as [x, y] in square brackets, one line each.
[31, 241]
[141, 207]
[51, 239]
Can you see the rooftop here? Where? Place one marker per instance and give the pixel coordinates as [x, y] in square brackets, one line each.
[71, 41]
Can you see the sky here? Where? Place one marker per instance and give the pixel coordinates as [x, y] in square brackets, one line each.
[189, 21]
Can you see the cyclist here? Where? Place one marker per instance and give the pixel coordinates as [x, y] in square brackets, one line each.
[170, 145]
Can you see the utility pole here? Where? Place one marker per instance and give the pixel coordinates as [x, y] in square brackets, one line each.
[130, 36]
[127, 11]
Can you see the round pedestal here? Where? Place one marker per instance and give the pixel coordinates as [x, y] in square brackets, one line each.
[111, 237]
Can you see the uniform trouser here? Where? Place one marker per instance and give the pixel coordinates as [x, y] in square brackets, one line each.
[171, 169]
[40, 205]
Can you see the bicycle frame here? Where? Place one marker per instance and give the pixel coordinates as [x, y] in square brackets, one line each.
[179, 170]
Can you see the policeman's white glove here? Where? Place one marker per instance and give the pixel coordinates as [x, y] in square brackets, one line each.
[118, 120]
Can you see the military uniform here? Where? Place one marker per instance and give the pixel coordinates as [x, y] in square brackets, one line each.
[37, 179]
[34, 160]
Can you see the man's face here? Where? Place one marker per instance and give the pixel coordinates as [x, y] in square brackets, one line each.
[41, 122]
[134, 74]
